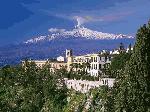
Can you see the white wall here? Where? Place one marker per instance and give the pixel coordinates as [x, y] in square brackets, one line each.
[60, 58]
[84, 85]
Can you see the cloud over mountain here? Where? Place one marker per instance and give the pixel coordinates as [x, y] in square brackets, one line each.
[78, 32]
[54, 30]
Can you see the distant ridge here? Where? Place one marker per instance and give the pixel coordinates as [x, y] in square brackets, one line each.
[80, 39]
[75, 33]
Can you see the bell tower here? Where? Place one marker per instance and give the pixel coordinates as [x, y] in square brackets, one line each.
[69, 58]
[68, 53]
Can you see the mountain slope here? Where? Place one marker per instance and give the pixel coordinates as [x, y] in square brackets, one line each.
[81, 40]
[77, 32]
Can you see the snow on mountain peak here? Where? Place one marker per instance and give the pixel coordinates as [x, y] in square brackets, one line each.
[76, 32]
[34, 40]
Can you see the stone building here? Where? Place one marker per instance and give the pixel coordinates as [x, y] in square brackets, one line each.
[54, 65]
[94, 64]
[85, 85]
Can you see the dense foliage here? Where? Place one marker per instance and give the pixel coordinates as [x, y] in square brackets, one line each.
[133, 91]
[33, 89]
[103, 100]
[30, 89]
[118, 63]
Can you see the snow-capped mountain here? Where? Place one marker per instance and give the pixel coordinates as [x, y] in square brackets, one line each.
[80, 39]
[77, 32]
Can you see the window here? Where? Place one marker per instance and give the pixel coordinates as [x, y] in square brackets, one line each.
[103, 81]
[96, 74]
[91, 59]
[109, 58]
[106, 82]
[100, 66]
[96, 66]
[105, 58]
[95, 59]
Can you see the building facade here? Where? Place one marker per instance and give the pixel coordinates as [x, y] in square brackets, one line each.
[84, 86]
[54, 65]
[93, 64]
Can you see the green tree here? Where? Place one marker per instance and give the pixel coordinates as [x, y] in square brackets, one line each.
[133, 94]
[31, 89]
[118, 63]
[103, 100]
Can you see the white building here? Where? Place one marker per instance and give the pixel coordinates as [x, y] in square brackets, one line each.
[96, 62]
[54, 65]
[60, 59]
[84, 85]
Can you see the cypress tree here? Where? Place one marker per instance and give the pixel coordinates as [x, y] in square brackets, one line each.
[133, 92]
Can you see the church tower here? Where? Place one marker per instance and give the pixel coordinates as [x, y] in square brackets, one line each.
[68, 53]
[69, 57]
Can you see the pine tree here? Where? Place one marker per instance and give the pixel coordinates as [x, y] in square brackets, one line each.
[133, 94]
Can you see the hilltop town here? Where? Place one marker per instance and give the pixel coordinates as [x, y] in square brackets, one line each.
[93, 65]
[75, 56]
[106, 81]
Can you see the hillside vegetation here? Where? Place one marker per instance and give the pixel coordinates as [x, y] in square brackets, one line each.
[32, 89]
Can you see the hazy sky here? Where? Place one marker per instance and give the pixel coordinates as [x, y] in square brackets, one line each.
[21, 20]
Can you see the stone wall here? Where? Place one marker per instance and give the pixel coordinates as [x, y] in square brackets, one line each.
[84, 85]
